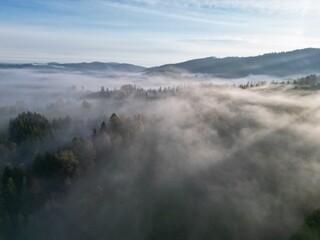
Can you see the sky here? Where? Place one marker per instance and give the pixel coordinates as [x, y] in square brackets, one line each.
[153, 32]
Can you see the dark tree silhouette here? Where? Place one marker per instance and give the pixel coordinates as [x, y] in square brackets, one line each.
[115, 123]
[28, 126]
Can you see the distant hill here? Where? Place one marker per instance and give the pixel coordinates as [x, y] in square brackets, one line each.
[92, 66]
[283, 64]
[303, 62]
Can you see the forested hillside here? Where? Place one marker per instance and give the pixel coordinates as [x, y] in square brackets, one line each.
[283, 64]
[190, 163]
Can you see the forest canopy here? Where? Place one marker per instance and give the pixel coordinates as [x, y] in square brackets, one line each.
[187, 163]
[29, 126]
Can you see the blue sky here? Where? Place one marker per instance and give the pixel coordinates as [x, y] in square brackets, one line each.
[153, 32]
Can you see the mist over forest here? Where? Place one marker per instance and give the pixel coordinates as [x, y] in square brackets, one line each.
[159, 120]
[136, 156]
[60, 91]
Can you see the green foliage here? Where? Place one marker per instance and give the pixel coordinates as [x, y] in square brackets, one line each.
[168, 222]
[31, 190]
[12, 180]
[54, 173]
[115, 123]
[310, 230]
[45, 166]
[61, 122]
[2, 217]
[68, 163]
[84, 151]
[8, 150]
[29, 126]
[251, 85]
[309, 80]
[60, 165]
[11, 200]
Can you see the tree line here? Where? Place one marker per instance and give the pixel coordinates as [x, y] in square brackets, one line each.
[27, 188]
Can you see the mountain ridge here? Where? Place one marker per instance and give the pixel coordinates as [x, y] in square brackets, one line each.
[278, 64]
[281, 64]
[82, 66]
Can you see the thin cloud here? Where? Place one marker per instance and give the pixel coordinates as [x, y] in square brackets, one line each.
[220, 40]
[188, 16]
[264, 6]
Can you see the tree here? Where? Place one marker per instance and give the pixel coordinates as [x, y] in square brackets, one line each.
[115, 123]
[103, 127]
[61, 165]
[84, 152]
[68, 163]
[29, 126]
[12, 184]
[94, 133]
[46, 166]
[310, 229]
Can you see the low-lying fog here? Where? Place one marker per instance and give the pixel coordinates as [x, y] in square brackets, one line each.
[41, 90]
[220, 162]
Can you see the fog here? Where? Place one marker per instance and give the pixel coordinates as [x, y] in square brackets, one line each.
[36, 90]
[213, 162]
